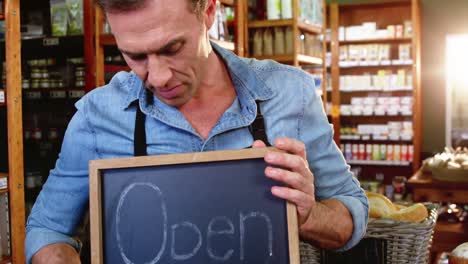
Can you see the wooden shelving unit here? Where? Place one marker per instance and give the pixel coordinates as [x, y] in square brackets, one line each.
[383, 13]
[15, 131]
[376, 41]
[298, 27]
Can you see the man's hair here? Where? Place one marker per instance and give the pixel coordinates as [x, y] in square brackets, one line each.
[196, 6]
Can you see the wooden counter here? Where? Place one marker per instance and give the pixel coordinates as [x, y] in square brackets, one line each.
[425, 189]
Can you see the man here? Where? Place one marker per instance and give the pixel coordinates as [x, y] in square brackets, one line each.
[198, 98]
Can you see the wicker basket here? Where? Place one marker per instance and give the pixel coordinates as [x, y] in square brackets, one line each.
[406, 242]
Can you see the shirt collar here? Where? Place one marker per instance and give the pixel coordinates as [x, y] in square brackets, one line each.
[246, 80]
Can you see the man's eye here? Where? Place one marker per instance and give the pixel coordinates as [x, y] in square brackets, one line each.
[137, 57]
[174, 49]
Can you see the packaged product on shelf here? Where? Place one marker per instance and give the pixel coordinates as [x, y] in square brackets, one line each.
[401, 79]
[301, 43]
[408, 29]
[286, 9]
[362, 152]
[404, 52]
[268, 42]
[389, 152]
[381, 33]
[345, 110]
[3, 183]
[258, 42]
[348, 152]
[341, 34]
[396, 152]
[390, 31]
[344, 53]
[404, 153]
[384, 53]
[399, 31]
[375, 152]
[368, 152]
[383, 152]
[289, 41]
[75, 17]
[273, 9]
[279, 41]
[355, 152]
[5, 224]
[58, 17]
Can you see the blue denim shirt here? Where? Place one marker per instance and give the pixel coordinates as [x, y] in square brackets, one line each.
[103, 128]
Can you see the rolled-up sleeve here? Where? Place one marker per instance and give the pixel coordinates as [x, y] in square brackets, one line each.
[333, 178]
[63, 199]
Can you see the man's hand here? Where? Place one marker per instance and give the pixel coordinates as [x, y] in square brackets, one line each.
[295, 174]
[327, 223]
[59, 253]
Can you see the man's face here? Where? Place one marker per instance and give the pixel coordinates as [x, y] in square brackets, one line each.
[166, 45]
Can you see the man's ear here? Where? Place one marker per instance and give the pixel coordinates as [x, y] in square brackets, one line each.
[209, 13]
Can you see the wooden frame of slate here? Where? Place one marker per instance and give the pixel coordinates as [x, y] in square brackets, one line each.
[206, 207]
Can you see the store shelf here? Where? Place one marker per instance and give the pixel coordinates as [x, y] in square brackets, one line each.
[303, 59]
[376, 41]
[116, 68]
[398, 90]
[107, 40]
[363, 64]
[227, 2]
[370, 139]
[314, 29]
[306, 27]
[225, 44]
[378, 162]
[5, 260]
[36, 94]
[363, 118]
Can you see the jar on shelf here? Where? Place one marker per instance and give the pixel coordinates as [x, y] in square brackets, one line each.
[45, 83]
[80, 82]
[36, 73]
[45, 73]
[50, 61]
[60, 84]
[25, 84]
[42, 62]
[35, 83]
[80, 72]
[53, 83]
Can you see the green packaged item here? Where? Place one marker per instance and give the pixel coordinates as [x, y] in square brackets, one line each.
[75, 17]
[58, 17]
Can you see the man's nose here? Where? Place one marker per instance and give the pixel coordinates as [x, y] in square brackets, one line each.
[159, 72]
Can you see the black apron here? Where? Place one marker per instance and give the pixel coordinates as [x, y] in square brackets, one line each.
[257, 129]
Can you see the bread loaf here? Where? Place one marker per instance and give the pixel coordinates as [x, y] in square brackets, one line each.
[382, 207]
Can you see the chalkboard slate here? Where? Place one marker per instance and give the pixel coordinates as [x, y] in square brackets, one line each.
[184, 211]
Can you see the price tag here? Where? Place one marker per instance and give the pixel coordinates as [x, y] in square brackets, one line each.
[58, 94]
[50, 41]
[76, 93]
[33, 95]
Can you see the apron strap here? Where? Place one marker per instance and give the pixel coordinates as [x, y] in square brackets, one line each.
[257, 129]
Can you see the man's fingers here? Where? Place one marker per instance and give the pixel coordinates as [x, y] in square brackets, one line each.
[288, 161]
[292, 146]
[258, 144]
[291, 179]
